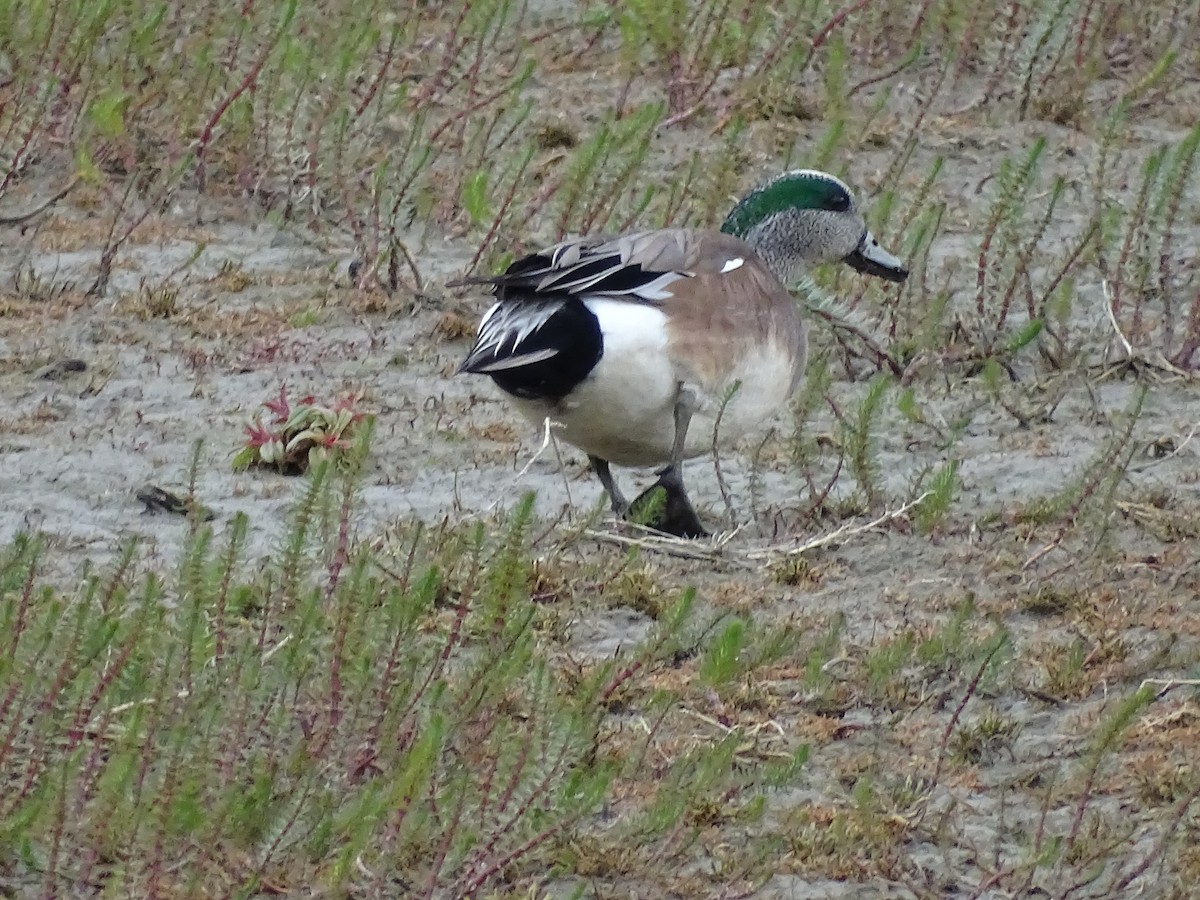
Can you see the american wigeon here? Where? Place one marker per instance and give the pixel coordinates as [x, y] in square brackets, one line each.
[634, 345]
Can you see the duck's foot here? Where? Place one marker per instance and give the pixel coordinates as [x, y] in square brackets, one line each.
[665, 507]
[615, 498]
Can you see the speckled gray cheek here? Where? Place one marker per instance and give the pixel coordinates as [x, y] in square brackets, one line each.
[796, 239]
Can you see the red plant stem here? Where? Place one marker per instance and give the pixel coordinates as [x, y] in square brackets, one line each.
[267, 594]
[241, 715]
[22, 150]
[623, 97]
[13, 690]
[539, 201]
[539, 791]
[22, 611]
[78, 728]
[443, 850]
[881, 77]
[164, 800]
[1166, 256]
[404, 803]
[414, 172]
[827, 29]
[1177, 817]
[219, 624]
[55, 64]
[1022, 268]
[342, 549]
[115, 582]
[607, 201]
[1088, 236]
[373, 87]
[897, 166]
[235, 42]
[11, 736]
[113, 244]
[471, 77]
[999, 70]
[970, 692]
[585, 49]
[771, 54]
[340, 555]
[619, 679]
[472, 696]
[462, 114]
[985, 247]
[485, 786]
[510, 789]
[357, 226]
[1191, 342]
[486, 874]
[676, 201]
[300, 808]
[881, 356]
[248, 81]
[1081, 32]
[388, 679]
[56, 835]
[4, 751]
[498, 219]
[449, 54]
[820, 496]
[685, 73]
[918, 25]
[67, 671]
[702, 99]
[93, 767]
[150, 750]
[488, 152]
[39, 116]
[452, 641]
[1132, 233]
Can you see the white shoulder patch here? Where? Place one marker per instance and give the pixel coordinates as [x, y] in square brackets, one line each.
[731, 264]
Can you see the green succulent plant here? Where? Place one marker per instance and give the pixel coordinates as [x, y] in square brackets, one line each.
[299, 434]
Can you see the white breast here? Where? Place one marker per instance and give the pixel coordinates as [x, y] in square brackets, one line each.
[624, 410]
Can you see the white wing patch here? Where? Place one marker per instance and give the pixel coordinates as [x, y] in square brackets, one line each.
[515, 362]
[731, 264]
[506, 326]
[629, 329]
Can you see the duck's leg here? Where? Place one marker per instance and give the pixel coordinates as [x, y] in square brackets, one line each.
[620, 505]
[676, 515]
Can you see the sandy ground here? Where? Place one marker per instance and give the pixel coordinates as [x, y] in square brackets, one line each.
[261, 307]
[78, 442]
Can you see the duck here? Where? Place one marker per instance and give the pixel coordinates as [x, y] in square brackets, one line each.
[643, 349]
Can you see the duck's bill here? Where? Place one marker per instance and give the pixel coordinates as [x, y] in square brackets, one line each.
[871, 259]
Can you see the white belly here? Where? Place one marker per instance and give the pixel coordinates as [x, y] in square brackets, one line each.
[624, 411]
[757, 388]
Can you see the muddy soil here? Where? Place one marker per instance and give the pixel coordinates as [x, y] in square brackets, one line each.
[104, 396]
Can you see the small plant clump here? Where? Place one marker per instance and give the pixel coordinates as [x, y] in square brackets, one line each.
[991, 647]
[300, 435]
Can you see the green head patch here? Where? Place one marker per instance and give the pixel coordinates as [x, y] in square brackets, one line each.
[799, 189]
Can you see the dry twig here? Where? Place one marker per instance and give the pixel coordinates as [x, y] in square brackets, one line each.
[850, 529]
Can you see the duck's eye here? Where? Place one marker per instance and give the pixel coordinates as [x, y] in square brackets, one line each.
[836, 200]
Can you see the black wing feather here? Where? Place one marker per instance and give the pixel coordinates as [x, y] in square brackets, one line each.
[540, 359]
[541, 340]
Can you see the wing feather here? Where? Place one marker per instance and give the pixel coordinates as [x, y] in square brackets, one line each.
[505, 327]
[540, 328]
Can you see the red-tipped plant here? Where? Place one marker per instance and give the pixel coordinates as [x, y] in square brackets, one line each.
[299, 434]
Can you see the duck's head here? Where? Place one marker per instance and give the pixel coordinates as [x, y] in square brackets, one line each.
[804, 218]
